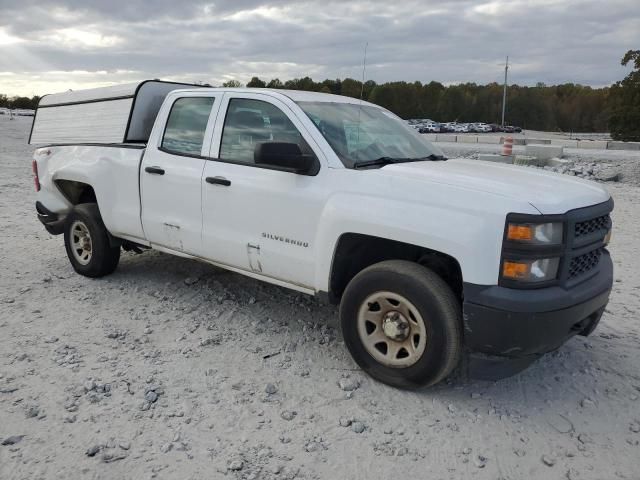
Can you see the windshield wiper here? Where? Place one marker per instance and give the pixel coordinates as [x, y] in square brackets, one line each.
[435, 157]
[387, 160]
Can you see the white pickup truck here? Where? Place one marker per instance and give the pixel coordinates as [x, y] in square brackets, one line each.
[432, 260]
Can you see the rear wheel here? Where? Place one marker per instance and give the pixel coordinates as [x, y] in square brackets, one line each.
[87, 242]
[401, 323]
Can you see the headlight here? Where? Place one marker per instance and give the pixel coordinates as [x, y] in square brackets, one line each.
[530, 270]
[535, 233]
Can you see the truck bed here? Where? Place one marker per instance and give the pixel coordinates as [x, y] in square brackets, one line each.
[112, 170]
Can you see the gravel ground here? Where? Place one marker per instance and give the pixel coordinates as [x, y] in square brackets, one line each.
[174, 369]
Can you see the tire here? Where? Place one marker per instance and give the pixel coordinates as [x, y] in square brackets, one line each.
[428, 328]
[95, 258]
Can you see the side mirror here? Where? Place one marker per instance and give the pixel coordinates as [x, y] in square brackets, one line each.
[285, 156]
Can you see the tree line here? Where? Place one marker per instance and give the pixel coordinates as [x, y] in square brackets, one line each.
[18, 102]
[568, 107]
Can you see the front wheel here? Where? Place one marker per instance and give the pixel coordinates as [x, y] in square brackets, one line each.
[401, 323]
[87, 242]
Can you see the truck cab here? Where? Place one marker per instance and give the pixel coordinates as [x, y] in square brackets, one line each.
[433, 261]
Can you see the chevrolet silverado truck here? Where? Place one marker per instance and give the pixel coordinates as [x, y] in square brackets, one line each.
[436, 263]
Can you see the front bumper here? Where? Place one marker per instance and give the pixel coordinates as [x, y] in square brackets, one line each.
[507, 329]
[53, 223]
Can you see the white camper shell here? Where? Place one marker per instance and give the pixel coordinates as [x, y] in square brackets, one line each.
[119, 114]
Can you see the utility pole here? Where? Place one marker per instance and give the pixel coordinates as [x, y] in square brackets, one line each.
[504, 92]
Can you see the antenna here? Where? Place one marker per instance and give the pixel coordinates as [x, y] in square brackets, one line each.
[504, 91]
[364, 68]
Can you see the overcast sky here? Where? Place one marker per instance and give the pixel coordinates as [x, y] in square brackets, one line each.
[55, 45]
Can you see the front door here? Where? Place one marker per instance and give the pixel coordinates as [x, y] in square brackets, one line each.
[171, 172]
[257, 218]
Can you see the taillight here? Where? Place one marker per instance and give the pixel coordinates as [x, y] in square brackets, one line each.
[36, 180]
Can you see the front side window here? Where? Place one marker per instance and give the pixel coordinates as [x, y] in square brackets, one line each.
[251, 122]
[186, 125]
[363, 133]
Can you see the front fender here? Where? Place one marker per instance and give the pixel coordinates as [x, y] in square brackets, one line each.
[472, 234]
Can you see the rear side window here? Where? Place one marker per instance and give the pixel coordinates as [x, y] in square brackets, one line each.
[186, 125]
[251, 122]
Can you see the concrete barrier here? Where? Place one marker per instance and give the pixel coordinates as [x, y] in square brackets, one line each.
[558, 142]
[492, 139]
[490, 157]
[593, 144]
[443, 137]
[623, 145]
[544, 152]
[565, 143]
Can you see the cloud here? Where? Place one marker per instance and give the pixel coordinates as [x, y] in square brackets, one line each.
[75, 38]
[551, 41]
[7, 39]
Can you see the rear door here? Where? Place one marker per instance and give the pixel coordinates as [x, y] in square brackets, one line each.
[171, 171]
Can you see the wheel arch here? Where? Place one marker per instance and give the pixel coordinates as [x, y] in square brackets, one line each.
[76, 192]
[355, 252]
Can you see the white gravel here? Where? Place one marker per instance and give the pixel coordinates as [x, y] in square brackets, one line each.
[174, 369]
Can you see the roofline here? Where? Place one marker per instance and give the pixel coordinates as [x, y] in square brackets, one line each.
[278, 92]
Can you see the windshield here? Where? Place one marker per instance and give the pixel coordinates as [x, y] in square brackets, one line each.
[365, 133]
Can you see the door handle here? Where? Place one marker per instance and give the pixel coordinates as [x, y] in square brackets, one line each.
[154, 170]
[218, 181]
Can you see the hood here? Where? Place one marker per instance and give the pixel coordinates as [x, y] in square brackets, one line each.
[548, 192]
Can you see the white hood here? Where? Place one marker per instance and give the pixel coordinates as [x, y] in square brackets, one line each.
[548, 192]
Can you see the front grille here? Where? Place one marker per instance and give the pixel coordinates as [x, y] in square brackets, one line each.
[584, 263]
[583, 254]
[593, 225]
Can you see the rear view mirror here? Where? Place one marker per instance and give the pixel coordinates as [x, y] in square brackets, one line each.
[286, 156]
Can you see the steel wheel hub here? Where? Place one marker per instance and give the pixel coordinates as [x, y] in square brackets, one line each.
[392, 329]
[81, 244]
[395, 325]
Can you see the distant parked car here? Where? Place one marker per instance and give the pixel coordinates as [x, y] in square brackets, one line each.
[432, 127]
[461, 128]
[479, 127]
[508, 129]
